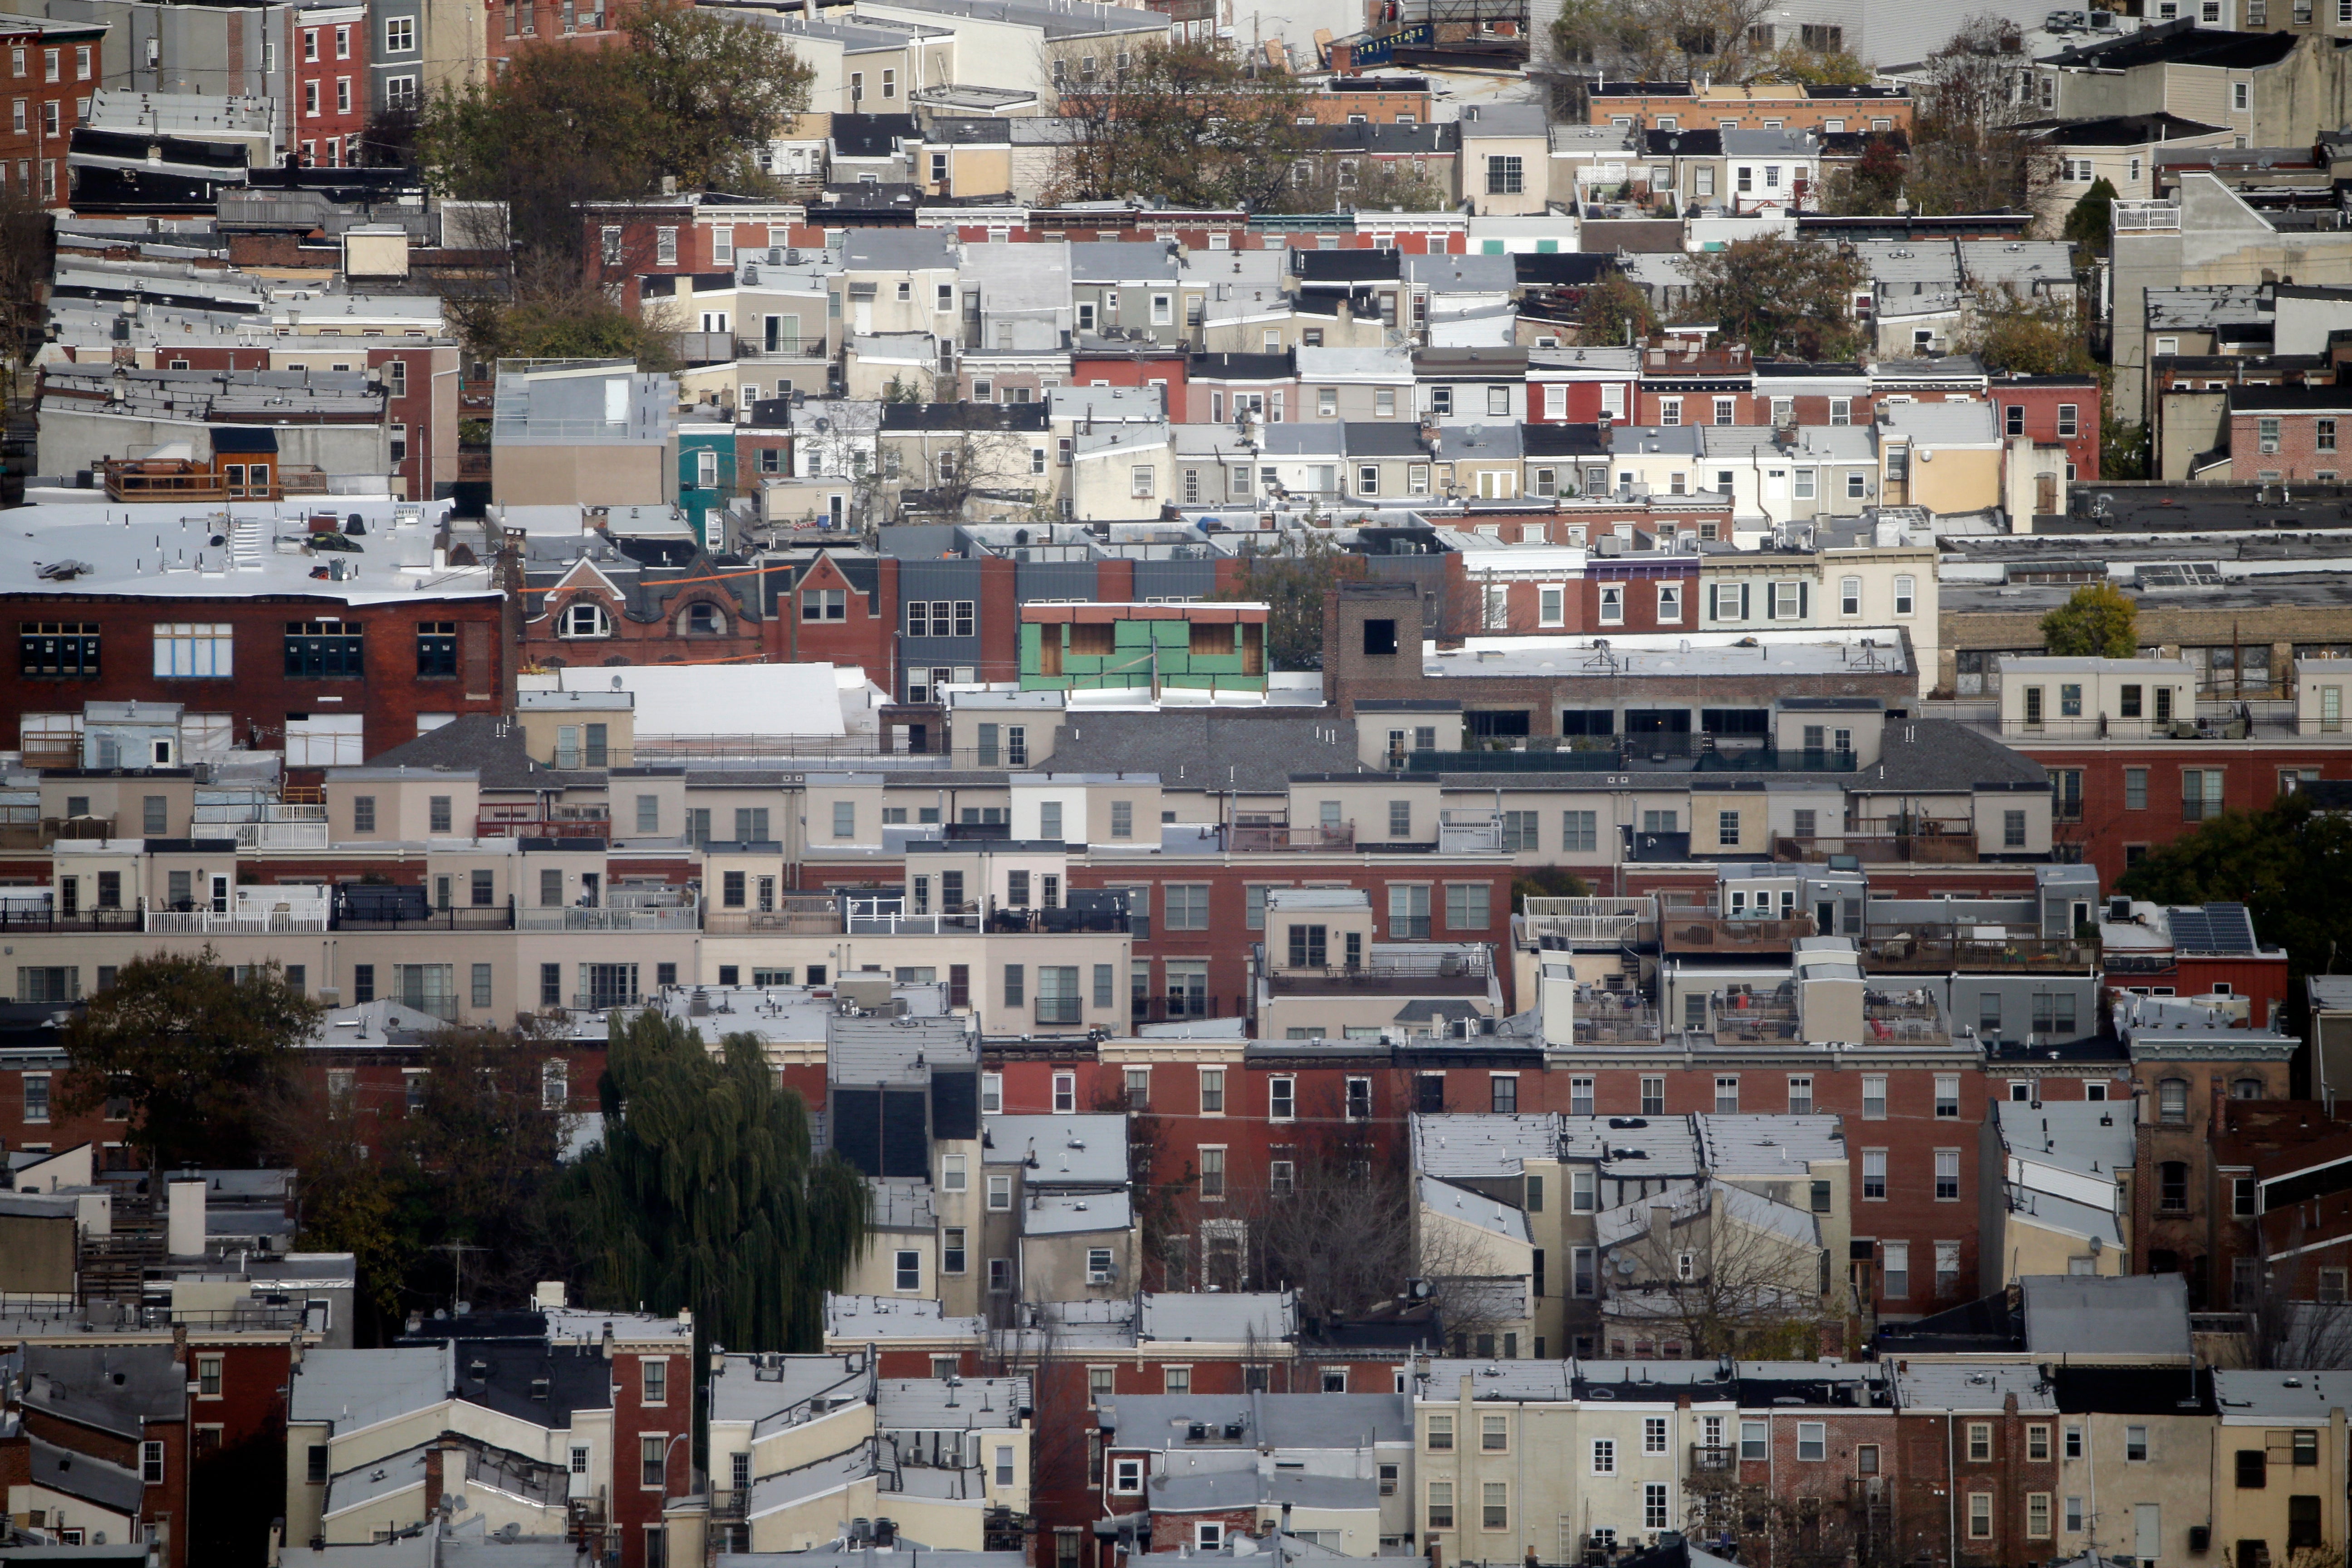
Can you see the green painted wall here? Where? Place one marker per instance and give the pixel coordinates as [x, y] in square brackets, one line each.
[1142, 648]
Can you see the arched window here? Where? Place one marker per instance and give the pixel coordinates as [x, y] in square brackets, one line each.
[2246, 1089]
[703, 620]
[583, 619]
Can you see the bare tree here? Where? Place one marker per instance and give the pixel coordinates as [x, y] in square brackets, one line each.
[1967, 151]
[1841, 1525]
[2295, 1316]
[1197, 123]
[1156, 1195]
[1340, 1232]
[1663, 40]
[1723, 1271]
[977, 463]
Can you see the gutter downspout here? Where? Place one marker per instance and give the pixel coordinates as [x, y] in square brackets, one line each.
[1951, 1496]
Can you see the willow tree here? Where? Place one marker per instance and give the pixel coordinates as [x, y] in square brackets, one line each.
[707, 1193]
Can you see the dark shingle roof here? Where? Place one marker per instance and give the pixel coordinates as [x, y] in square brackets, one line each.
[485, 744]
[1563, 441]
[1257, 752]
[2181, 43]
[1936, 755]
[1551, 268]
[1347, 265]
[872, 135]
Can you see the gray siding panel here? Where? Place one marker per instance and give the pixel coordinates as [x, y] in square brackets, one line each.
[1175, 579]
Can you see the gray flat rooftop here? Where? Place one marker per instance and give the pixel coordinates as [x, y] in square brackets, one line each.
[1777, 654]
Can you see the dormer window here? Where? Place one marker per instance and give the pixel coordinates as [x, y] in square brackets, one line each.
[584, 620]
[704, 621]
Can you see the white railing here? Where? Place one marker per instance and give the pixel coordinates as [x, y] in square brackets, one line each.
[281, 835]
[887, 922]
[640, 918]
[1586, 919]
[205, 923]
[2147, 217]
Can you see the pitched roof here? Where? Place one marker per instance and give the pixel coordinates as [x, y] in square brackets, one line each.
[1255, 752]
[1936, 755]
[486, 745]
[2181, 43]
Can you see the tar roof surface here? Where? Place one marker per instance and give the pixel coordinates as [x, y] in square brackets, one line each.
[2136, 1314]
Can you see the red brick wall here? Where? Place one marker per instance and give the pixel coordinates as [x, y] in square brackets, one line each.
[634, 1505]
[2111, 832]
[38, 149]
[428, 408]
[2038, 407]
[341, 49]
[391, 695]
[1937, 1478]
[866, 639]
[1585, 400]
[2300, 456]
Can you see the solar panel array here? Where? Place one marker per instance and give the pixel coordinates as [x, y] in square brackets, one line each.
[2178, 574]
[2215, 928]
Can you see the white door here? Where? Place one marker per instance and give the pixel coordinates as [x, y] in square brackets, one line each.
[2148, 1533]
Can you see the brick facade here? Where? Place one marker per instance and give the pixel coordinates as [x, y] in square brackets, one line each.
[261, 695]
[48, 72]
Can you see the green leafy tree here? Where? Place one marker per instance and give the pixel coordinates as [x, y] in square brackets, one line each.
[1781, 296]
[199, 1054]
[2290, 864]
[706, 1193]
[551, 314]
[2029, 337]
[472, 1159]
[2100, 621]
[2123, 445]
[1186, 122]
[2090, 223]
[1814, 67]
[717, 88]
[689, 97]
[350, 1201]
[1615, 310]
[1293, 584]
[480, 1153]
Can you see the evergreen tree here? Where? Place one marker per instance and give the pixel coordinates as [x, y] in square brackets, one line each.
[2089, 224]
[707, 1193]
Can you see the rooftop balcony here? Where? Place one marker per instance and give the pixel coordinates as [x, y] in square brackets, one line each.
[618, 917]
[522, 822]
[1608, 1020]
[1932, 844]
[1437, 969]
[287, 919]
[31, 918]
[1589, 922]
[1264, 834]
[2223, 712]
[1983, 948]
[1686, 931]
